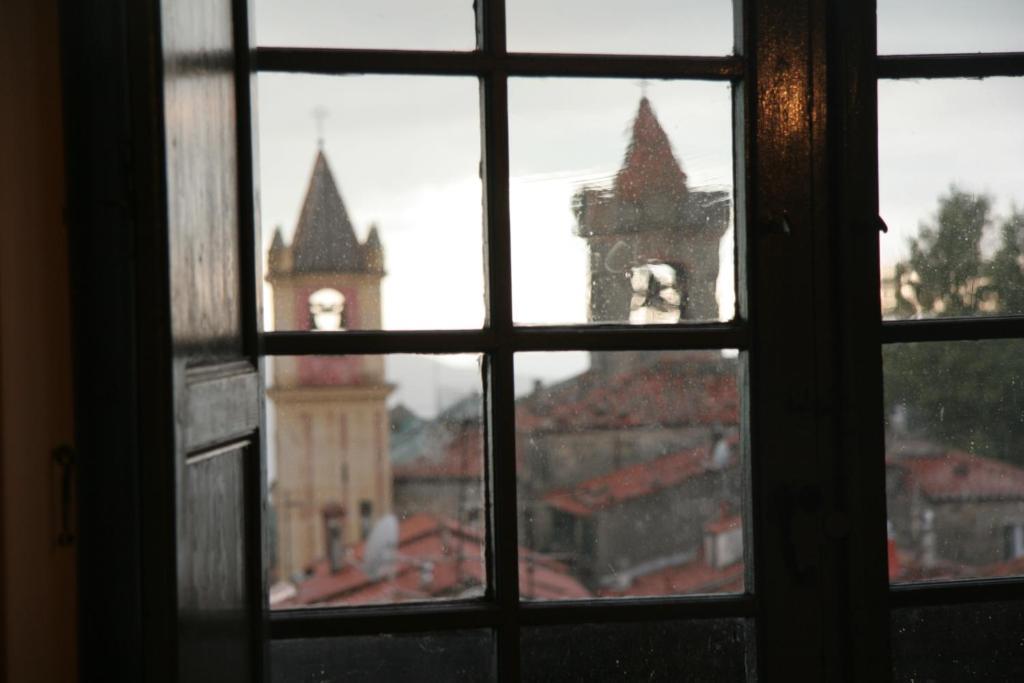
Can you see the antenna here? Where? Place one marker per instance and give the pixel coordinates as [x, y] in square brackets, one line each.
[319, 114]
[381, 548]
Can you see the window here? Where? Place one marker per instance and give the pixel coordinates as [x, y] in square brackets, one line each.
[668, 425]
[950, 288]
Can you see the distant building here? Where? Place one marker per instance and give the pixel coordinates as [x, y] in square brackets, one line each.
[332, 437]
[624, 469]
[653, 242]
[652, 515]
[952, 513]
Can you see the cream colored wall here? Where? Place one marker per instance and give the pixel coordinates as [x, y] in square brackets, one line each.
[310, 455]
[37, 578]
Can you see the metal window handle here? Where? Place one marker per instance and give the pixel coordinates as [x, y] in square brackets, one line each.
[64, 458]
[882, 227]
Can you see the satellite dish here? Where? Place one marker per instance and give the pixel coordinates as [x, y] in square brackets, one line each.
[381, 548]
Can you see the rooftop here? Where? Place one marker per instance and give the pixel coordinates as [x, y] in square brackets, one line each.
[954, 475]
[455, 554]
[628, 483]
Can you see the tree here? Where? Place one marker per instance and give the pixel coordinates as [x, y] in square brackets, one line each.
[967, 395]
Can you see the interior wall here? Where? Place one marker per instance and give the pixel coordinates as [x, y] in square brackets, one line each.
[37, 577]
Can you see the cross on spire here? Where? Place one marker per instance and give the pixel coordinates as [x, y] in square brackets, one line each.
[320, 114]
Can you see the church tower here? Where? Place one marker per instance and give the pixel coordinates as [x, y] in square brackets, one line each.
[653, 242]
[332, 450]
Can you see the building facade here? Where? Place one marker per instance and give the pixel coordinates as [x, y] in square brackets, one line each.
[332, 438]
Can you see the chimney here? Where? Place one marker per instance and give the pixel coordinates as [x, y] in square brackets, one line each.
[723, 540]
[928, 557]
[426, 575]
[334, 536]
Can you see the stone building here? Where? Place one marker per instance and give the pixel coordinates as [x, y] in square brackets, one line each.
[646, 517]
[332, 439]
[652, 241]
[952, 513]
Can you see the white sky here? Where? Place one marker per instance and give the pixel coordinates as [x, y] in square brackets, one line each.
[405, 150]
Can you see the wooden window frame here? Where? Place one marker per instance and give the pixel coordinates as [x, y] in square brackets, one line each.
[806, 209]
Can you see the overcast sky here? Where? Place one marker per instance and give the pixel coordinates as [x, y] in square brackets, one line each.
[405, 150]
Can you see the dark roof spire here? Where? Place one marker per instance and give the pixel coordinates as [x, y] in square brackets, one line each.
[649, 167]
[325, 241]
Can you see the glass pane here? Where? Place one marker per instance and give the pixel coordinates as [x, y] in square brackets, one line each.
[910, 26]
[704, 650]
[621, 201]
[951, 156]
[376, 479]
[370, 201]
[955, 459]
[381, 24]
[630, 476]
[682, 27]
[414, 658]
[963, 643]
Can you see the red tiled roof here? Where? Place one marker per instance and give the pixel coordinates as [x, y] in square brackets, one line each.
[665, 393]
[649, 166]
[630, 482]
[692, 577]
[957, 475]
[456, 553]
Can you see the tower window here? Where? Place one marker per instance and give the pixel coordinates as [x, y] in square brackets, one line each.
[327, 309]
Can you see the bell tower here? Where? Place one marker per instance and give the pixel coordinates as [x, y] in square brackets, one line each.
[653, 242]
[332, 430]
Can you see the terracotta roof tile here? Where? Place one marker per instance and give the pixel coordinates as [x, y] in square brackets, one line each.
[663, 394]
[630, 482]
[457, 556]
[956, 475]
[692, 577]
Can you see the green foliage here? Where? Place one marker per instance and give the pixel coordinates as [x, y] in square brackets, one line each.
[965, 395]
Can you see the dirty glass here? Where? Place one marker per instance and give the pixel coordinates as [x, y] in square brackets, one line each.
[972, 643]
[630, 475]
[375, 469]
[678, 27]
[955, 459]
[370, 187]
[704, 650]
[949, 26]
[381, 24]
[951, 156]
[450, 656]
[621, 199]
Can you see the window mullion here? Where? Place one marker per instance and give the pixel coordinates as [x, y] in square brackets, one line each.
[788, 374]
[503, 567]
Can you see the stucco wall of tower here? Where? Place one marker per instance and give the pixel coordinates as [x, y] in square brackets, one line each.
[332, 448]
[621, 236]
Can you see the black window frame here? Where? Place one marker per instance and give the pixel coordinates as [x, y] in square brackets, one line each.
[806, 217]
[952, 66]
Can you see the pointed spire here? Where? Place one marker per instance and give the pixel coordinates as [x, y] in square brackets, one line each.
[649, 168]
[373, 251]
[277, 258]
[324, 239]
[278, 242]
